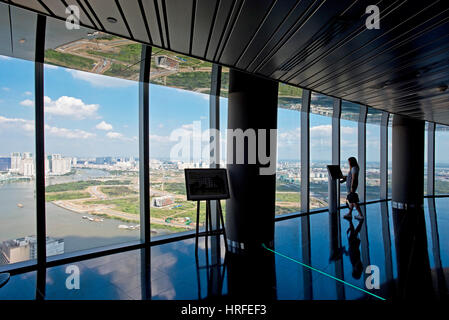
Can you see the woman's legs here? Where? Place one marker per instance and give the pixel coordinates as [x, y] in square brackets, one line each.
[349, 214]
[360, 215]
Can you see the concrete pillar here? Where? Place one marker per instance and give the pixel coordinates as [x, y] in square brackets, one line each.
[252, 105]
[408, 162]
[414, 276]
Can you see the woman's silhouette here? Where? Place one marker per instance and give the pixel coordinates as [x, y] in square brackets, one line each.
[352, 182]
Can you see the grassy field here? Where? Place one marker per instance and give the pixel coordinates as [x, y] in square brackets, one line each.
[68, 60]
[284, 210]
[291, 187]
[65, 196]
[81, 185]
[290, 91]
[127, 205]
[441, 187]
[175, 187]
[190, 80]
[119, 70]
[294, 197]
[119, 191]
[129, 53]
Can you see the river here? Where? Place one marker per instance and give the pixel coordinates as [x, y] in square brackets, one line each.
[78, 233]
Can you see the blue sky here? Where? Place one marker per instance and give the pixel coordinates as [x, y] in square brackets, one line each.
[89, 115]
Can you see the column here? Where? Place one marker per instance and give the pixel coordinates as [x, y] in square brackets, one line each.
[252, 112]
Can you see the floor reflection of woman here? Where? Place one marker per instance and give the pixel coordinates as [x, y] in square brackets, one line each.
[354, 249]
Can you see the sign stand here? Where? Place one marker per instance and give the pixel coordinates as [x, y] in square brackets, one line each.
[208, 226]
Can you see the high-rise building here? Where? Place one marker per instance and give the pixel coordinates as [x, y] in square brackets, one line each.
[5, 163]
[25, 248]
[16, 159]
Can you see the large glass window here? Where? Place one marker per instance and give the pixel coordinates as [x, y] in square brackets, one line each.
[17, 161]
[441, 159]
[373, 121]
[91, 139]
[390, 152]
[350, 113]
[179, 137]
[288, 183]
[321, 109]
[224, 89]
[426, 133]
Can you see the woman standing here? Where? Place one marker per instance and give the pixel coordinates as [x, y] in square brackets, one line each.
[352, 182]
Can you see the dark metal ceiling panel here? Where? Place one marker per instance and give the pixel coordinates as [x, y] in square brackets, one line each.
[289, 25]
[321, 45]
[134, 17]
[205, 11]
[162, 19]
[5, 31]
[232, 18]
[32, 4]
[23, 23]
[251, 16]
[108, 9]
[179, 21]
[153, 22]
[223, 14]
[57, 7]
[364, 55]
[301, 38]
[282, 10]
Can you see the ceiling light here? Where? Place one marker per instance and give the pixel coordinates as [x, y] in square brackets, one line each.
[442, 88]
[111, 19]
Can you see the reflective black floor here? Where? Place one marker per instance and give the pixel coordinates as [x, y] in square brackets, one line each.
[327, 243]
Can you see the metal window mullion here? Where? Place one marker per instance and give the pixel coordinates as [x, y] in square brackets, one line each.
[336, 134]
[362, 152]
[431, 159]
[362, 182]
[214, 125]
[305, 187]
[144, 144]
[384, 155]
[41, 232]
[305, 150]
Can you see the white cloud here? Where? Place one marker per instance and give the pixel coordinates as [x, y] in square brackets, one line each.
[28, 93]
[119, 136]
[50, 66]
[158, 138]
[100, 80]
[26, 125]
[103, 125]
[68, 133]
[70, 106]
[6, 89]
[27, 103]
[4, 58]
[114, 135]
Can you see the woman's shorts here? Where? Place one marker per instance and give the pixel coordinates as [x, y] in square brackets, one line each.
[352, 197]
